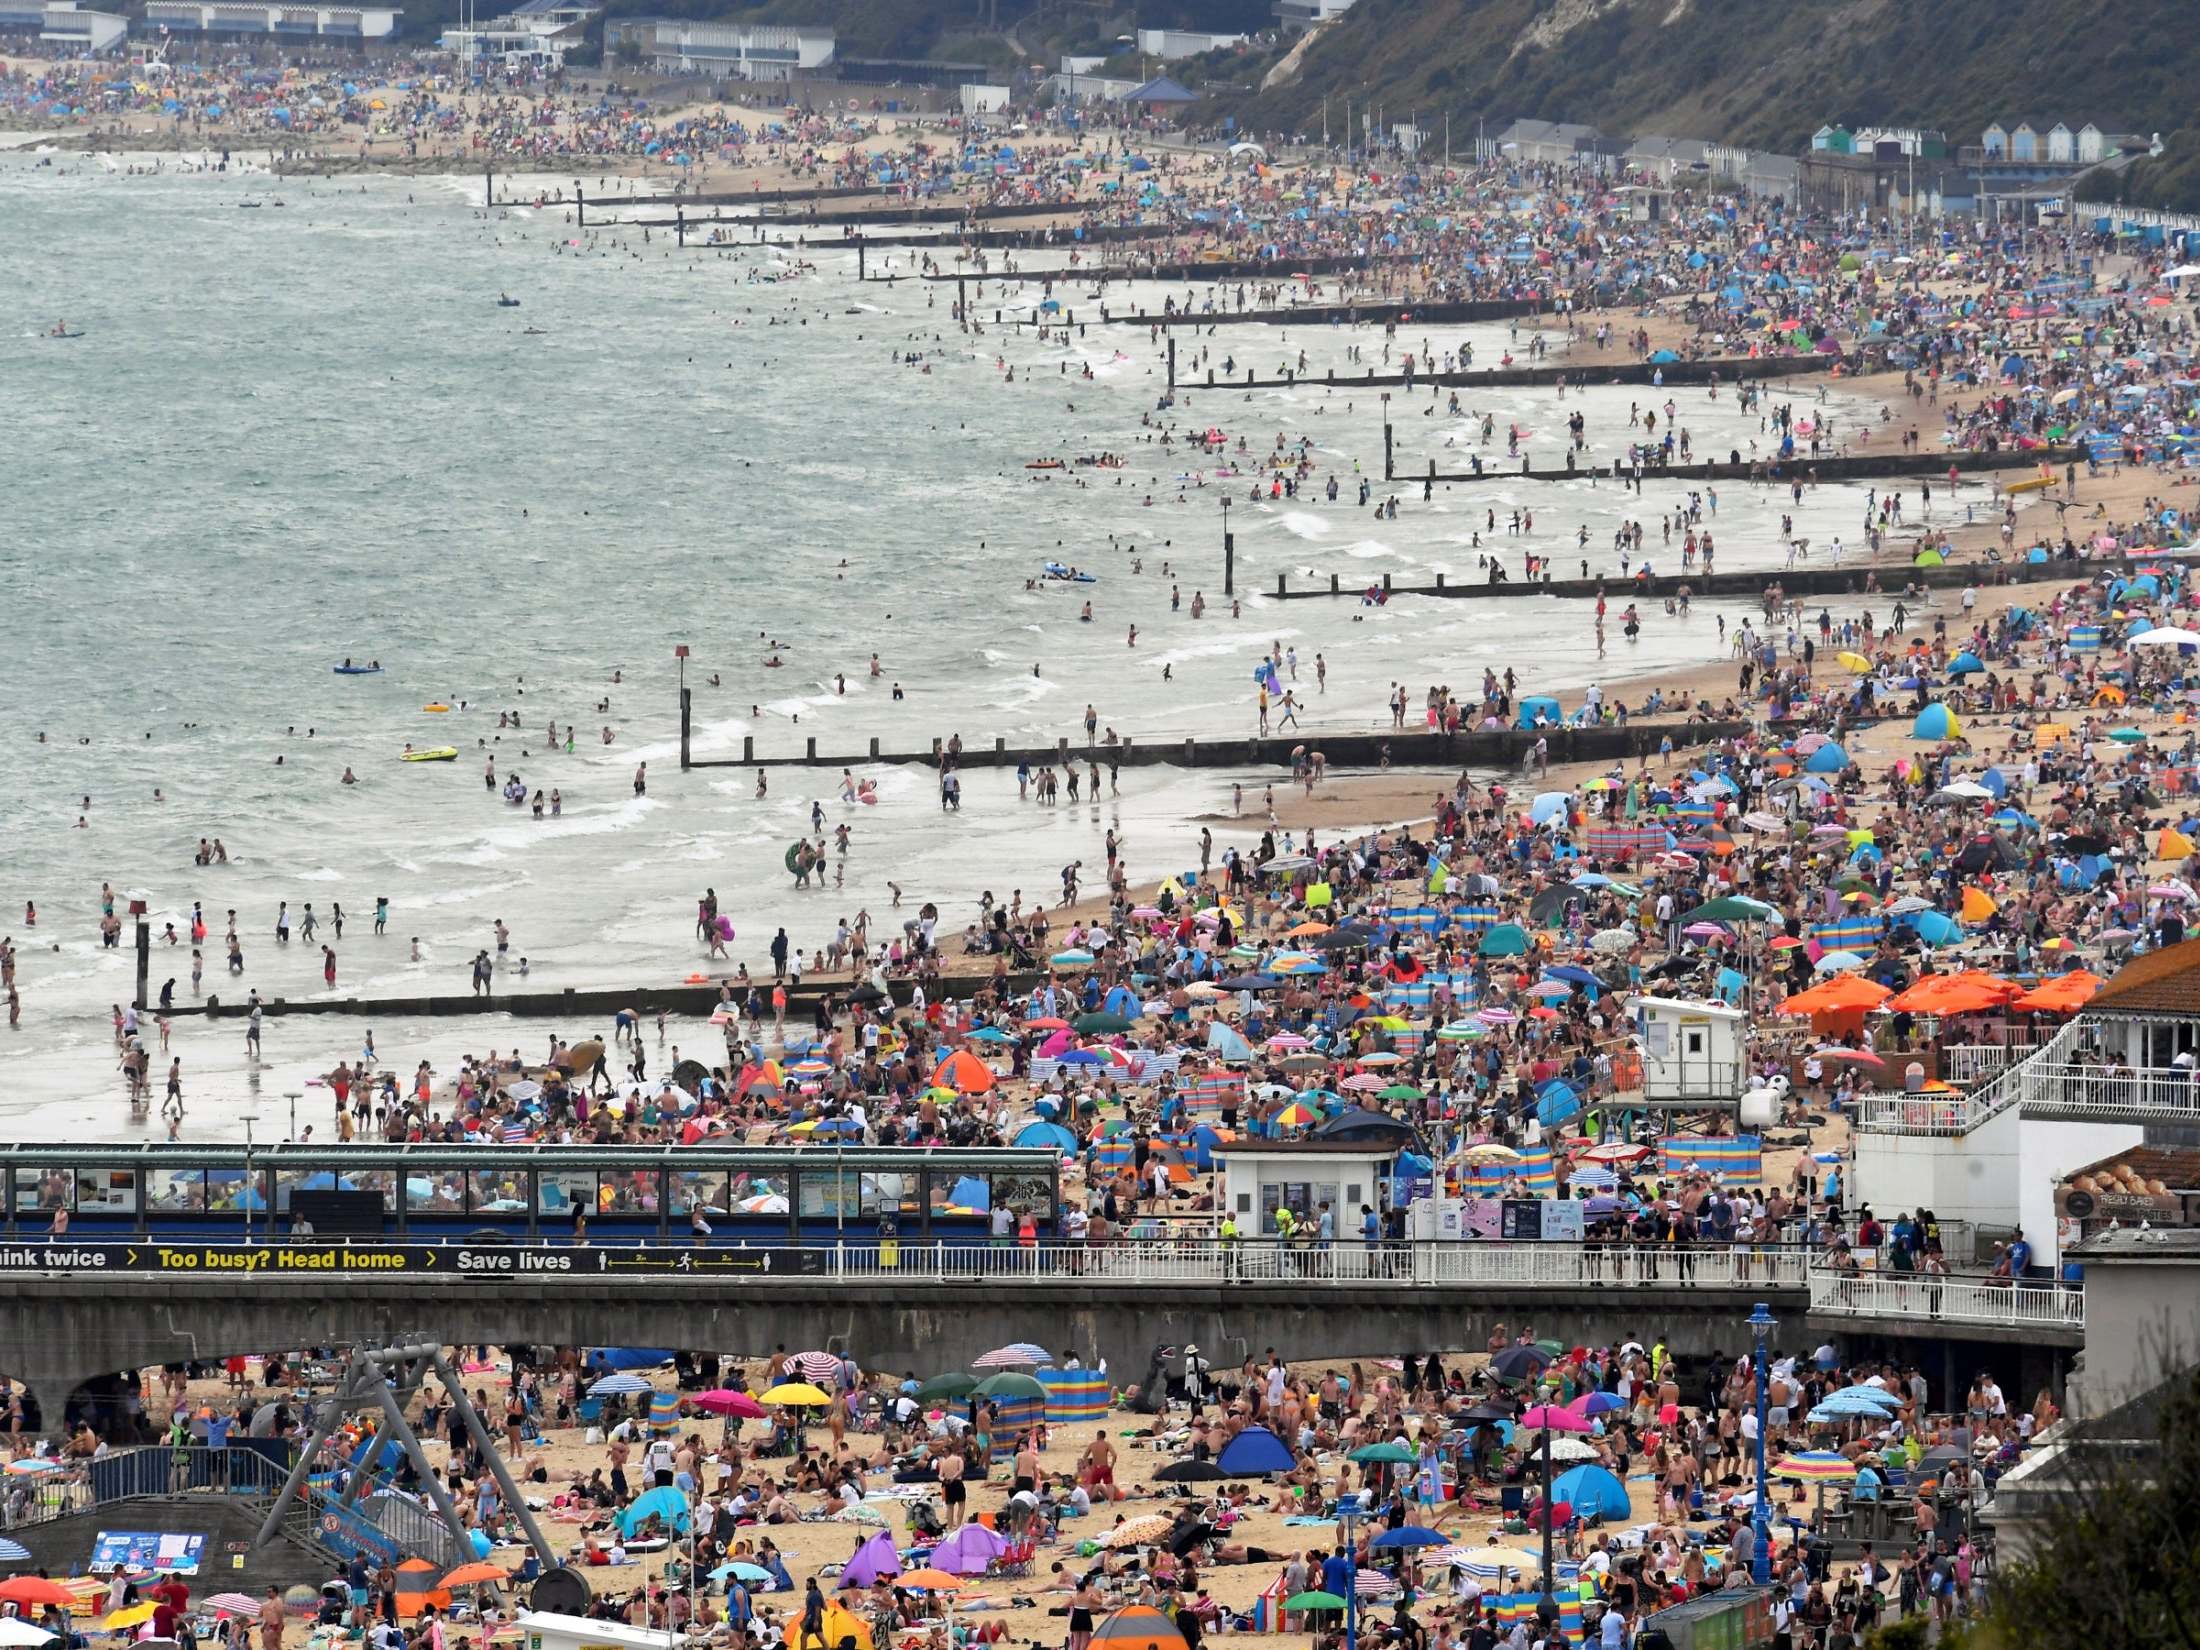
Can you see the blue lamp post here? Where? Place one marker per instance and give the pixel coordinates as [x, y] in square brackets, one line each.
[1761, 1326]
[1347, 1524]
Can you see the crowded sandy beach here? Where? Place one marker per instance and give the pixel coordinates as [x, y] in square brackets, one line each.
[1870, 829]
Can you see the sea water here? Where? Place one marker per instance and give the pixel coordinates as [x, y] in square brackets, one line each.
[303, 432]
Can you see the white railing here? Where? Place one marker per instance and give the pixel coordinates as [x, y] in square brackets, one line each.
[1956, 1114]
[1495, 1265]
[2168, 1093]
[1967, 1063]
[1946, 1300]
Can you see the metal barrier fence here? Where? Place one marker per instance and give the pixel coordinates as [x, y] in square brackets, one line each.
[1958, 1114]
[1946, 1300]
[255, 1468]
[1351, 1263]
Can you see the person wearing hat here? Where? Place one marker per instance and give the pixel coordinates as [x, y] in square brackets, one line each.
[1195, 1376]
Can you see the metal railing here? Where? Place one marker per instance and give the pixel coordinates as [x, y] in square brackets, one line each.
[1967, 1063]
[1958, 1114]
[2165, 1093]
[1946, 1299]
[150, 1470]
[1353, 1263]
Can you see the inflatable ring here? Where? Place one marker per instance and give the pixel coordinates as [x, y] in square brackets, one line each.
[435, 710]
[698, 979]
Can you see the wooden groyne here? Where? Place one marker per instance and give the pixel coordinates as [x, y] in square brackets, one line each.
[1392, 312]
[1341, 749]
[1585, 375]
[1808, 579]
[1775, 472]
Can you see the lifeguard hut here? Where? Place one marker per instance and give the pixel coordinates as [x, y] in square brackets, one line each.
[1692, 1055]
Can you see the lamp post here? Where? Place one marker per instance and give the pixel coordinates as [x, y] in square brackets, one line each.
[1546, 1607]
[250, 1184]
[1347, 1520]
[1761, 1326]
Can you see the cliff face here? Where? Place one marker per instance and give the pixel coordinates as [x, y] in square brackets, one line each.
[1741, 71]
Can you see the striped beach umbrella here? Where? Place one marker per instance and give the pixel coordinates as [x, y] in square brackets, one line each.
[1017, 1356]
[816, 1366]
[1817, 1466]
[612, 1386]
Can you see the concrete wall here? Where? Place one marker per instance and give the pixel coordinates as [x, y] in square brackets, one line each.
[65, 1330]
[2142, 1319]
[2003, 1173]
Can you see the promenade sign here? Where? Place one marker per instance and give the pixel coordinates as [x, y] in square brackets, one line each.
[369, 1256]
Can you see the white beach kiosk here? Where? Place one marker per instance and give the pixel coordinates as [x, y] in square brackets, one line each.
[1692, 1055]
[546, 1630]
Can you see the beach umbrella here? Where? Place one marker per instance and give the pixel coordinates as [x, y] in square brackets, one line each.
[1562, 1448]
[1009, 1384]
[612, 1386]
[1411, 1535]
[755, 1575]
[1189, 1472]
[1138, 1532]
[234, 1604]
[1846, 1406]
[928, 1580]
[1496, 1562]
[816, 1366]
[1389, 1454]
[1519, 1362]
[1818, 1466]
[1012, 1357]
[1548, 1417]
[796, 1393]
[476, 1574]
[14, 1630]
[726, 1401]
[35, 1592]
[1879, 1395]
[954, 1384]
[1315, 1600]
[136, 1615]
